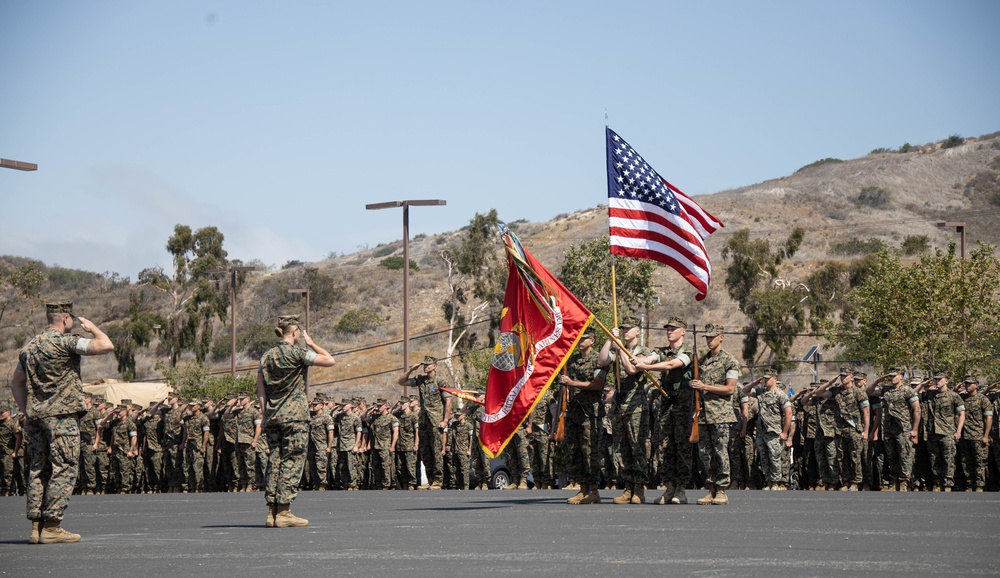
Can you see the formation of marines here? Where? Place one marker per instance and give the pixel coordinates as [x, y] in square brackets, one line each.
[622, 417]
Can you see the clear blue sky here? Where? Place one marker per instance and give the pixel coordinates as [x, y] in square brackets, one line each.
[278, 121]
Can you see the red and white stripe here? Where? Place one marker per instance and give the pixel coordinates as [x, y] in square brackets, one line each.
[646, 231]
[704, 221]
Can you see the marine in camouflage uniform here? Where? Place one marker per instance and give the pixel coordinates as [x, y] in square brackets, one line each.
[719, 373]
[320, 444]
[774, 422]
[248, 437]
[385, 436]
[407, 475]
[974, 445]
[124, 438]
[944, 428]
[900, 426]
[47, 387]
[228, 459]
[583, 424]
[283, 391]
[349, 439]
[87, 481]
[807, 416]
[853, 421]
[743, 463]
[631, 409]
[194, 445]
[435, 413]
[8, 437]
[673, 419]
[459, 450]
[151, 429]
[826, 433]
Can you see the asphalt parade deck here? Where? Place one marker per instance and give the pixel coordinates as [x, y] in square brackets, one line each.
[495, 533]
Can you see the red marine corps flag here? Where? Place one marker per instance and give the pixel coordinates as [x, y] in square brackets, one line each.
[540, 325]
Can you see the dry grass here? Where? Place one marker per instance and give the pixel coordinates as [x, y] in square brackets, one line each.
[927, 185]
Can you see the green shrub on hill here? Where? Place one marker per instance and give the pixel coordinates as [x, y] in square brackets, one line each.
[819, 163]
[875, 197]
[856, 246]
[358, 321]
[395, 263]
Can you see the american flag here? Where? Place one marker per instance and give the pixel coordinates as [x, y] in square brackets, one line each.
[652, 219]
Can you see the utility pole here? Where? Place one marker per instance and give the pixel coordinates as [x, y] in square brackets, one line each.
[406, 263]
[232, 305]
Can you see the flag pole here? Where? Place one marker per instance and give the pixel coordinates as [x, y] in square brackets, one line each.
[621, 346]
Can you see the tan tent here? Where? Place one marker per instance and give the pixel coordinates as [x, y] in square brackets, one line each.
[141, 393]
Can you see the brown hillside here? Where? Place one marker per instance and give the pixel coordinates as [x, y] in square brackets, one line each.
[926, 185]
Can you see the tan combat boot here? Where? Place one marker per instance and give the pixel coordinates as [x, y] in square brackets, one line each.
[283, 518]
[679, 497]
[592, 497]
[626, 497]
[523, 485]
[578, 498]
[668, 495]
[639, 494]
[436, 485]
[707, 500]
[947, 488]
[720, 499]
[36, 530]
[269, 523]
[54, 533]
[511, 486]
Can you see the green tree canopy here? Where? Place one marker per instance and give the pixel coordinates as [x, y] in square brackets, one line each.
[941, 313]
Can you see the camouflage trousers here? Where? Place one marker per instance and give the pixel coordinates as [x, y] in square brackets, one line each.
[713, 452]
[676, 459]
[875, 472]
[317, 466]
[6, 471]
[246, 462]
[941, 451]
[457, 470]
[194, 464]
[538, 456]
[431, 446]
[406, 470]
[517, 452]
[610, 461]
[152, 462]
[806, 470]
[826, 460]
[88, 466]
[743, 458]
[53, 459]
[123, 469]
[584, 435]
[173, 464]
[974, 455]
[382, 463]
[769, 449]
[850, 448]
[898, 457]
[633, 423]
[102, 469]
[347, 470]
[288, 443]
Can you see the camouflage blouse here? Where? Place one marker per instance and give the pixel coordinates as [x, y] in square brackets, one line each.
[772, 404]
[284, 368]
[51, 362]
[715, 370]
[896, 409]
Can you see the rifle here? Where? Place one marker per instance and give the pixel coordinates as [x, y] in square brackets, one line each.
[561, 425]
[696, 410]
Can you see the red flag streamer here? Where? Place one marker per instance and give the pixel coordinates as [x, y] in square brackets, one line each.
[540, 324]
